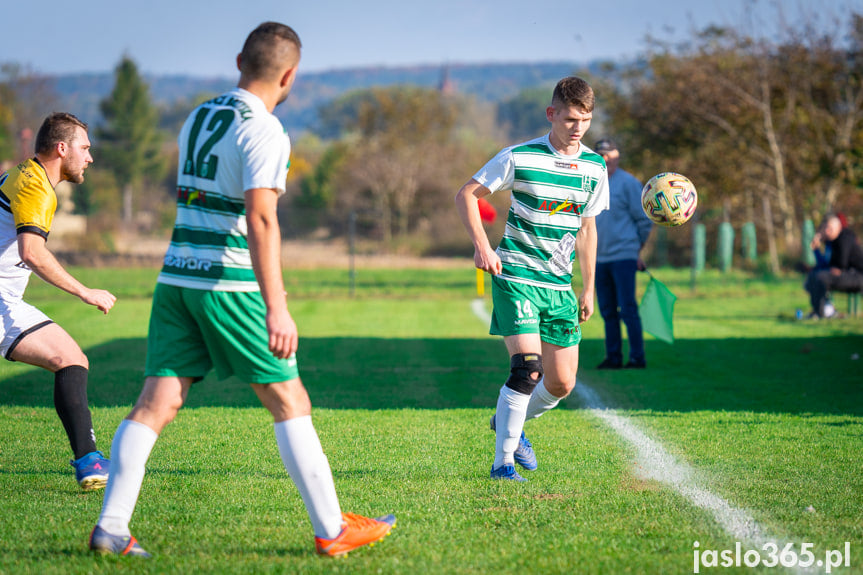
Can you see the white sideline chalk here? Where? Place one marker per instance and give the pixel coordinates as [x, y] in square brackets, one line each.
[477, 306]
[654, 462]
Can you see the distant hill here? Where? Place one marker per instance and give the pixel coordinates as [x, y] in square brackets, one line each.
[81, 93]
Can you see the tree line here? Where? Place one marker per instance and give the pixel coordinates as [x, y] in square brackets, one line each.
[769, 131]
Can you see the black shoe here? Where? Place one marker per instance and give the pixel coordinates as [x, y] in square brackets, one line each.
[609, 364]
[636, 364]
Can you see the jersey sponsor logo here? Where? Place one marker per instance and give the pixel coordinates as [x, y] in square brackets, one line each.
[24, 169]
[189, 195]
[566, 165]
[571, 331]
[187, 263]
[565, 206]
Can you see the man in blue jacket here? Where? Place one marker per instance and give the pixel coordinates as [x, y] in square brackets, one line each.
[622, 231]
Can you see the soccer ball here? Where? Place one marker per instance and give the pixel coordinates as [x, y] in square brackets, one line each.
[669, 199]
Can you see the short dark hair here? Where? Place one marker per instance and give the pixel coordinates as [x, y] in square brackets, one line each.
[573, 91]
[265, 50]
[58, 127]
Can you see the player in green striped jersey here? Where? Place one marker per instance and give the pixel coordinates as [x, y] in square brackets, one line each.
[557, 186]
[220, 300]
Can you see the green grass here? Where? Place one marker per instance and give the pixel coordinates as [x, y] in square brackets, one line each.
[767, 410]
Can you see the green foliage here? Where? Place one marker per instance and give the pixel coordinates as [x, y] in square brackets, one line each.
[7, 137]
[318, 189]
[31, 95]
[172, 116]
[7, 143]
[339, 116]
[128, 141]
[769, 131]
[524, 115]
[97, 194]
[399, 148]
[399, 112]
[25, 99]
[404, 113]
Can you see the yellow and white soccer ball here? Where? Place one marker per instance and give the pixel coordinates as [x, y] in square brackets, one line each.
[669, 199]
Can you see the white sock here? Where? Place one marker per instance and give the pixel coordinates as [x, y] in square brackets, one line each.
[509, 422]
[307, 465]
[541, 400]
[130, 450]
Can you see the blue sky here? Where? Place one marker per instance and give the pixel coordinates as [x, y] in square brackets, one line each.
[202, 38]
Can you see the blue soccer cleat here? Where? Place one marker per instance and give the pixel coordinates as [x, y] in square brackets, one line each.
[506, 472]
[91, 471]
[524, 454]
[104, 543]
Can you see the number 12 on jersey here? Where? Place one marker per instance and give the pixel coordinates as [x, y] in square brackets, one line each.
[201, 162]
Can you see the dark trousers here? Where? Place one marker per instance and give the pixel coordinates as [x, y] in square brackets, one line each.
[615, 290]
[820, 282]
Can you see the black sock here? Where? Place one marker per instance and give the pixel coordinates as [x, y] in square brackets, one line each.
[70, 401]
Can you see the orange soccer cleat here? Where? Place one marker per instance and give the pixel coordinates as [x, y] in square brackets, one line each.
[356, 532]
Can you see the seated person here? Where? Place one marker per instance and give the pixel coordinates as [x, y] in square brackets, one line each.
[844, 271]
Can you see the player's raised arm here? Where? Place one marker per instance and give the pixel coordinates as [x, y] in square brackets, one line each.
[467, 202]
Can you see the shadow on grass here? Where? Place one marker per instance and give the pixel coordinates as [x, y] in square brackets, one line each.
[360, 373]
[758, 375]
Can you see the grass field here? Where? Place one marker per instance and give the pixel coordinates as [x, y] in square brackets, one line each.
[767, 411]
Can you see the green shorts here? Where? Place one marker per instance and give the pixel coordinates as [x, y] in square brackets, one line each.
[192, 331]
[522, 308]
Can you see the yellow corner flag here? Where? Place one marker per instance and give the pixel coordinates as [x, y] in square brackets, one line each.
[657, 310]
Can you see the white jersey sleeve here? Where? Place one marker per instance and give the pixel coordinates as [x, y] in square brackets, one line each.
[600, 198]
[499, 173]
[267, 152]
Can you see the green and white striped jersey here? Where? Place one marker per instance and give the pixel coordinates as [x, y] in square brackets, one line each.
[228, 145]
[551, 192]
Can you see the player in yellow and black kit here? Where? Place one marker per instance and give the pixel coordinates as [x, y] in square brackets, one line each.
[27, 206]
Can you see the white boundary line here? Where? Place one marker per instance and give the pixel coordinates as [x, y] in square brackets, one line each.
[477, 306]
[654, 462]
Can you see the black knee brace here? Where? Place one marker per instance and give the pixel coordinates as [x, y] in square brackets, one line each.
[521, 368]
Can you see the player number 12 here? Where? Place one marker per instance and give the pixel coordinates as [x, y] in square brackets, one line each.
[204, 164]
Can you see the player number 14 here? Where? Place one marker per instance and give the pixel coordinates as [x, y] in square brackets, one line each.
[524, 308]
